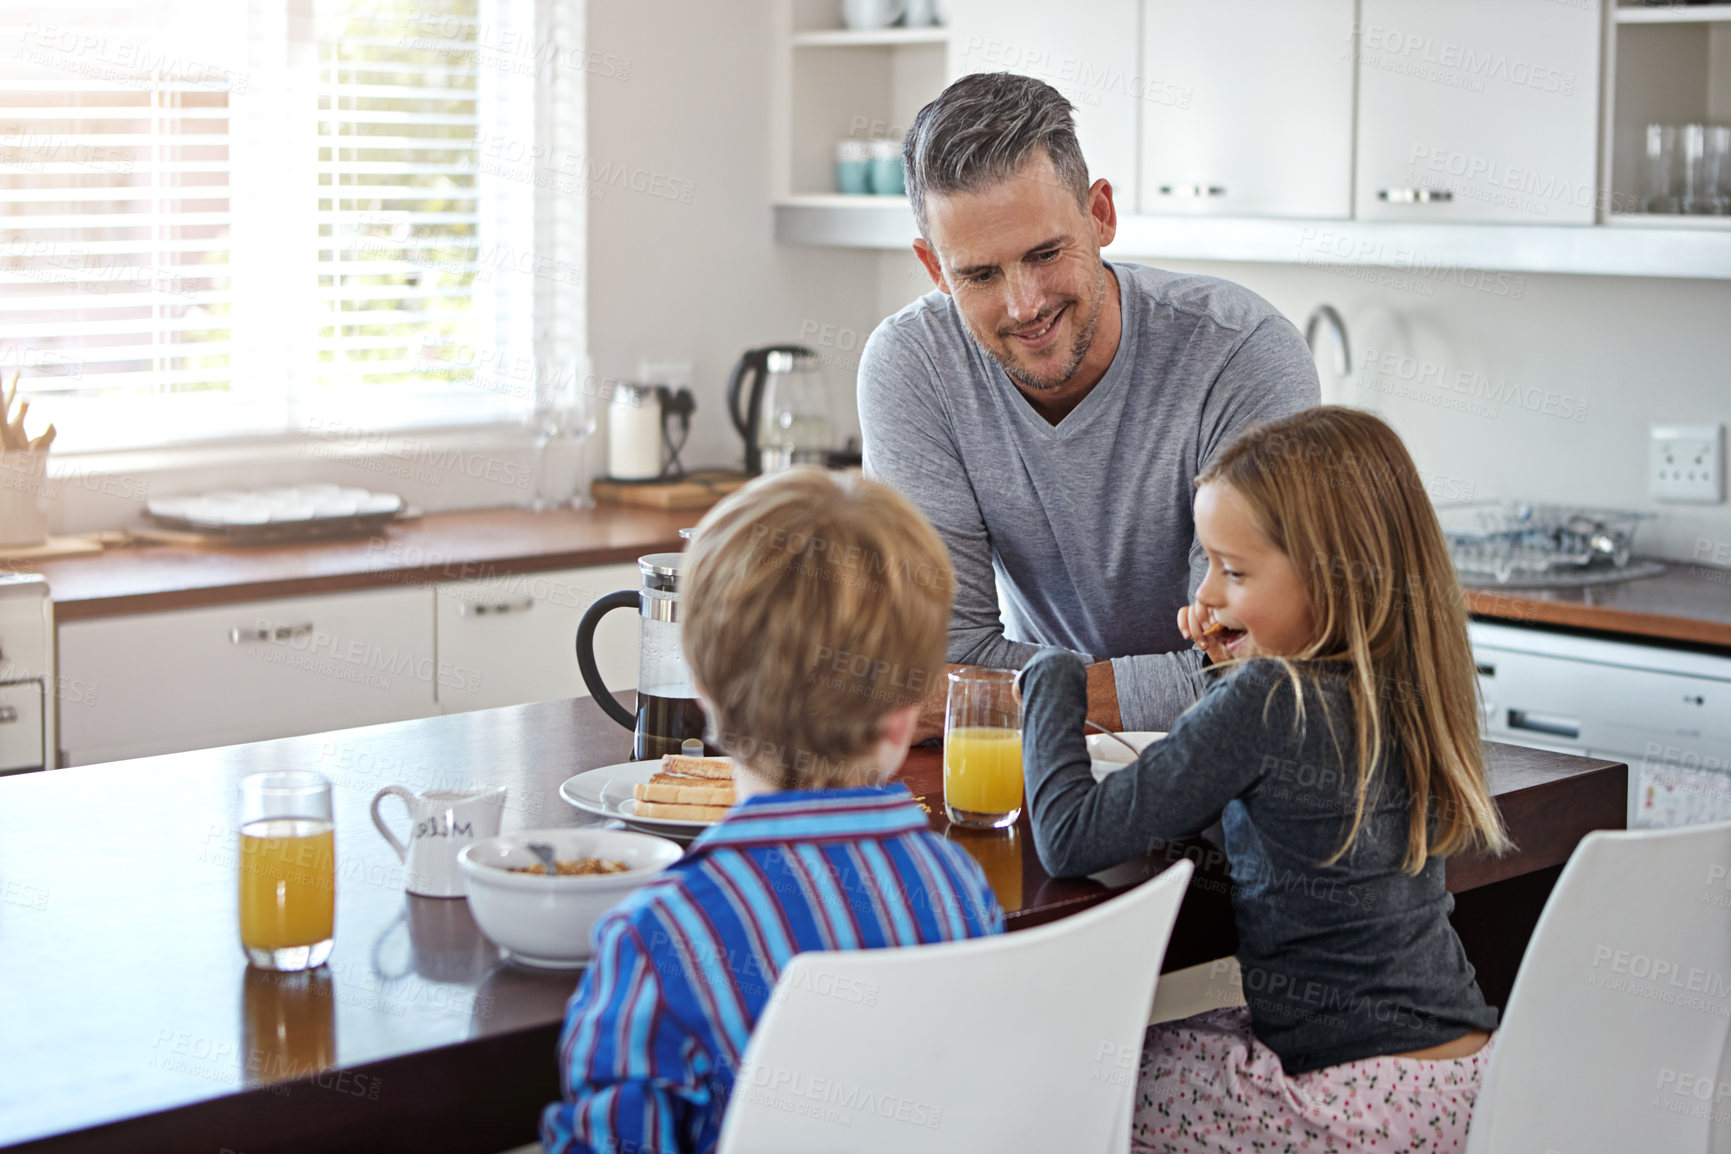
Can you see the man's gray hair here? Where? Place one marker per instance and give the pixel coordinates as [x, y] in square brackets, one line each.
[981, 130]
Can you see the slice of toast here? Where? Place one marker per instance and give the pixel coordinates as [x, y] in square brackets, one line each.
[718, 768]
[675, 789]
[679, 812]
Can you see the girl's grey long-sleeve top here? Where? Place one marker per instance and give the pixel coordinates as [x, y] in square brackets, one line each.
[1341, 962]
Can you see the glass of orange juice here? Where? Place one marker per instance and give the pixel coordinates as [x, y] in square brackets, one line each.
[288, 870]
[983, 748]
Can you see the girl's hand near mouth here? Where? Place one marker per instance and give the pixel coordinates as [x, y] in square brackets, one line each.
[1204, 630]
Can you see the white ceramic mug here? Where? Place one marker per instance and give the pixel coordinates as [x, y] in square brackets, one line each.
[444, 821]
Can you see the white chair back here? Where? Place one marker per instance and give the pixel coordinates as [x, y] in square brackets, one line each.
[1615, 1035]
[1029, 1041]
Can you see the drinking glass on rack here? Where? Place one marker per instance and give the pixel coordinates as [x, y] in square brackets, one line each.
[1716, 171]
[287, 866]
[1700, 171]
[983, 748]
[1660, 191]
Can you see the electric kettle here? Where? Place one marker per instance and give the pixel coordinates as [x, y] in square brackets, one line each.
[668, 713]
[779, 403]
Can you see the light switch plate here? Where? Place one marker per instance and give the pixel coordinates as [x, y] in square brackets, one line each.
[1686, 464]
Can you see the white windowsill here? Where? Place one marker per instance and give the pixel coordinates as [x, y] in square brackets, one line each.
[433, 469]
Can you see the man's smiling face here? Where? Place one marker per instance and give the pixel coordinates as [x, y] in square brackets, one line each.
[1021, 259]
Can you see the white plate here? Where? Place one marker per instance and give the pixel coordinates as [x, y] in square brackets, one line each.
[606, 792]
[1107, 756]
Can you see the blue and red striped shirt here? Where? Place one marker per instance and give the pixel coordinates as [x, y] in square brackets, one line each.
[683, 967]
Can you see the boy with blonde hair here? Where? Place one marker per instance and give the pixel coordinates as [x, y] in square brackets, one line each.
[816, 619]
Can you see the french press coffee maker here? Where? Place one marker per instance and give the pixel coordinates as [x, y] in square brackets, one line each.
[668, 712]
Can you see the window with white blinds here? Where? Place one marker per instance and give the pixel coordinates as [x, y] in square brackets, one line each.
[231, 217]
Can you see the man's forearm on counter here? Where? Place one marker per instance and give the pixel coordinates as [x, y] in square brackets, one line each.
[1103, 696]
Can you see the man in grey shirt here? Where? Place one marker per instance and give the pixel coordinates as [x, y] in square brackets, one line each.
[1049, 411]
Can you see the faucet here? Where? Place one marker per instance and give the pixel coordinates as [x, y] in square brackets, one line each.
[1342, 353]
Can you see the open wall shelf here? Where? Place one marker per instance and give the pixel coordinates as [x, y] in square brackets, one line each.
[1424, 251]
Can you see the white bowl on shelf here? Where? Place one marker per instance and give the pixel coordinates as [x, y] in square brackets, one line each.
[546, 921]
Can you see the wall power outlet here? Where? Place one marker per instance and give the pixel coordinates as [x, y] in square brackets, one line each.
[1686, 464]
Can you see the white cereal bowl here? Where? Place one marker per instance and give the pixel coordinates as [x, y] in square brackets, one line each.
[546, 921]
[1107, 755]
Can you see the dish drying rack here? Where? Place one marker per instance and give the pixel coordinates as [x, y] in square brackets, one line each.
[1507, 541]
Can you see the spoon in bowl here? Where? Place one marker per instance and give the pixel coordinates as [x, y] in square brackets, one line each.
[545, 852]
[1096, 725]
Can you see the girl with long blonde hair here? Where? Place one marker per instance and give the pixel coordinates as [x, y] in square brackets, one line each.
[1338, 747]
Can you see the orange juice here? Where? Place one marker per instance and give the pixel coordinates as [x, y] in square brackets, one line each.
[983, 770]
[287, 883]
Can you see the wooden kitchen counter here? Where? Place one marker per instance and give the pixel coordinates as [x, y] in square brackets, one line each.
[1688, 602]
[462, 546]
[131, 1020]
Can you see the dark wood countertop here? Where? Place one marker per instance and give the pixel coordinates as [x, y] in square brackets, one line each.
[461, 546]
[132, 1021]
[1690, 603]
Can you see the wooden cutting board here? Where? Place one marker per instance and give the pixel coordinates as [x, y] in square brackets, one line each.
[686, 494]
[49, 550]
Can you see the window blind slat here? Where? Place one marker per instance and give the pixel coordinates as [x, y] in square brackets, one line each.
[97, 328]
[85, 301]
[116, 193]
[116, 219]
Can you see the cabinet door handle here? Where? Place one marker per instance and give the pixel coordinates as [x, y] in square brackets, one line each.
[1192, 190]
[240, 636]
[1550, 724]
[483, 608]
[1416, 195]
[8, 714]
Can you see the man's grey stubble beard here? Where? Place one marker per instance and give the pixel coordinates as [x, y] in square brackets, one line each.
[1078, 349]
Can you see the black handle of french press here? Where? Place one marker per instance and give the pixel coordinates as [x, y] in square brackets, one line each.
[625, 598]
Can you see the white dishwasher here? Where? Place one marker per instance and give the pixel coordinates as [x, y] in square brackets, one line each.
[26, 671]
[1667, 712]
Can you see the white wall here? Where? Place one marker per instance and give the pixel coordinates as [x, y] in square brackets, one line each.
[1618, 353]
[704, 281]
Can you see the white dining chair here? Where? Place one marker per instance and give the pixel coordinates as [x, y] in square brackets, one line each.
[1615, 1035]
[1028, 1041]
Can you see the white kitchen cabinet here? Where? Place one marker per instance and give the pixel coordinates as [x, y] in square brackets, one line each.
[192, 678]
[1259, 122]
[20, 726]
[1087, 52]
[1477, 110]
[511, 639]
